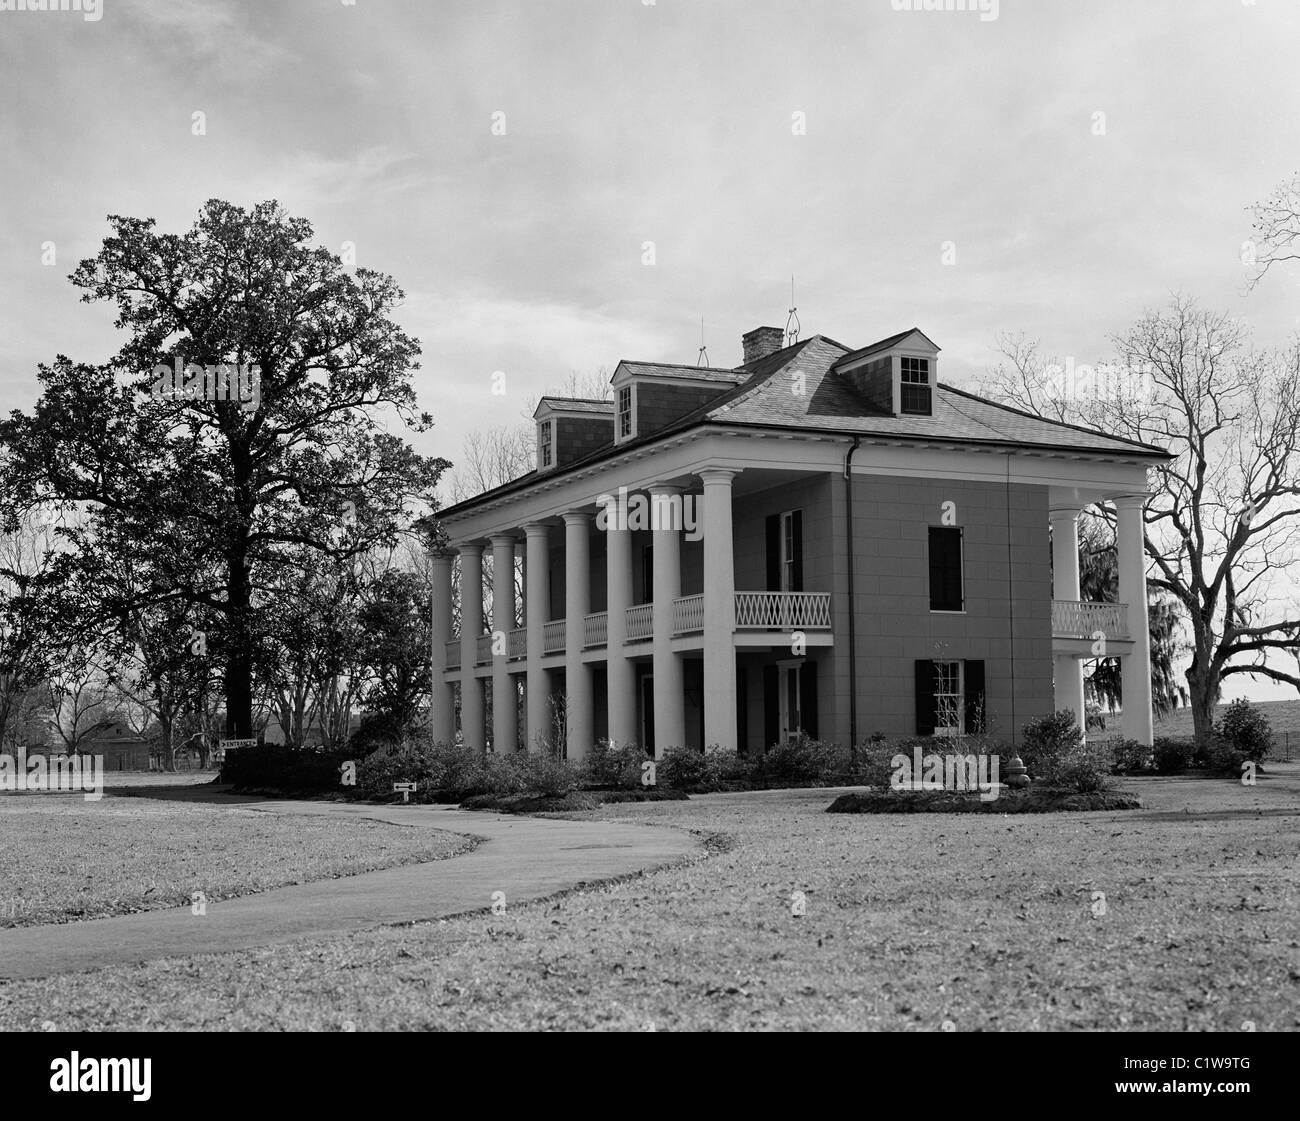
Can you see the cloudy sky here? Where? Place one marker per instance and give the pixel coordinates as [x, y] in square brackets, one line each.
[1084, 159]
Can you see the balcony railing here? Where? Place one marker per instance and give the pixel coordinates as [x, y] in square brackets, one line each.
[595, 629]
[483, 650]
[801, 611]
[640, 622]
[453, 654]
[688, 614]
[553, 637]
[518, 643]
[1073, 619]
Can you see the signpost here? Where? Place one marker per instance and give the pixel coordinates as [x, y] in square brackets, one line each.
[407, 789]
[219, 756]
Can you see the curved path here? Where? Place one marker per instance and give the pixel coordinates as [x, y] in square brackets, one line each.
[526, 857]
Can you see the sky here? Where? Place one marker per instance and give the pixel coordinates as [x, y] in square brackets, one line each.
[558, 185]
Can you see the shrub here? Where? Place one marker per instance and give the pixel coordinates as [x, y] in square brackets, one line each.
[532, 773]
[617, 766]
[687, 768]
[1129, 757]
[288, 770]
[801, 760]
[1047, 740]
[1172, 754]
[1245, 731]
[1084, 769]
[873, 765]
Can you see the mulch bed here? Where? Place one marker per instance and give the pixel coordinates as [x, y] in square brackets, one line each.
[1032, 801]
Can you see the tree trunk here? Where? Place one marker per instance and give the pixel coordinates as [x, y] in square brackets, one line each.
[239, 662]
[1202, 696]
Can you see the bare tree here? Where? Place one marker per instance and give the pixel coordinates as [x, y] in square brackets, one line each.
[1223, 523]
[1275, 229]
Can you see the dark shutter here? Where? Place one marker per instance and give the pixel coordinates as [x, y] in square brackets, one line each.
[742, 711]
[925, 706]
[796, 531]
[774, 553]
[945, 569]
[808, 697]
[771, 706]
[976, 709]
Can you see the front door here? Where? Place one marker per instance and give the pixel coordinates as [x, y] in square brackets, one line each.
[648, 713]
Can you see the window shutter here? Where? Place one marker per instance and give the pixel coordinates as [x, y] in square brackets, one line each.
[774, 553]
[925, 706]
[742, 712]
[808, 697]
[796, 531]
[771, 706]
[976, 713]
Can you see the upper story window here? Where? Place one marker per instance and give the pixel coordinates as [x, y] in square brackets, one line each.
[545, 444]
[915, 388]
[625, 412]
[946, 591]
[785, 551]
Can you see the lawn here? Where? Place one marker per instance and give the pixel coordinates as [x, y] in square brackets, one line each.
[912, 922]
[68, 859]
[1283, 717]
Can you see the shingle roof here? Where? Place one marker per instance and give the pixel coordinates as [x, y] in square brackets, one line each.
[884, 344]
[796, 389]
[673, 370]
[577, 404]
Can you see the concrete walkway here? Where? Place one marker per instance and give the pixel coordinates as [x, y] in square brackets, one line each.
[527, 858]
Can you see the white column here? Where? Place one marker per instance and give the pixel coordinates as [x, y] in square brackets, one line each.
[1067, 670]
[537, 609]
[442, 717]
[579, 706]
[1135, 668]
[719, 612]
[505, 713]
[472, 729]
[622, 672]
[670, 712]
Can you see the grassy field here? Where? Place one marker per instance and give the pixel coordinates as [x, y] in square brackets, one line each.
[919, 923]
[68, 859]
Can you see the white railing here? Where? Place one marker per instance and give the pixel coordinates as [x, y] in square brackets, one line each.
[553, 637]
[595, 629]
[688, 614]
[453, 655]
[783, 611]
[1073, 619]
[518, 643]
[640, 622]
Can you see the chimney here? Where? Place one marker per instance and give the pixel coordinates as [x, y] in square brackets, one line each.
[762, 341]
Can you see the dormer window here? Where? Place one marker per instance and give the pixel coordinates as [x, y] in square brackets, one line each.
[915, 388]
[625, 412]
[545, 447]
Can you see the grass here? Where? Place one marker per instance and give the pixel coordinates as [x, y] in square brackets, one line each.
[1283, 716]
[67, 859]
[986, 921]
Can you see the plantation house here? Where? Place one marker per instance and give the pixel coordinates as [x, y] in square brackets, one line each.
[870, 554]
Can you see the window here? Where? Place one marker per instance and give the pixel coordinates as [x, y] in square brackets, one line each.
[785, 552]
[544, 443]
[647, 574]
[950, 698]
[625, 412]
[946, 593]
[915, 388]
[789, 701]
[948, 706]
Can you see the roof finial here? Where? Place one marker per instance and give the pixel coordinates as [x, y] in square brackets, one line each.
[792, 323]
[703, 358]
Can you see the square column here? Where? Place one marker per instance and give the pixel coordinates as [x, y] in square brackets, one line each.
[622, 672]
[537, 613]
[1067, 670]
[442, 716]
[580, 716]
[473, 731]
[666, 528]
[719, 612]
[505, 714]
[1135, 668]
